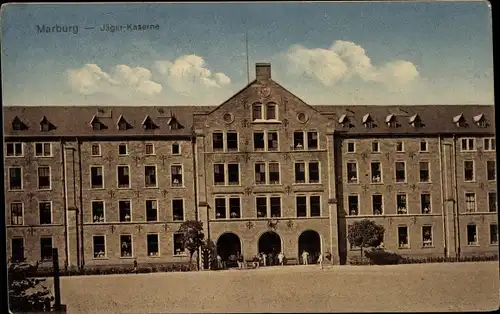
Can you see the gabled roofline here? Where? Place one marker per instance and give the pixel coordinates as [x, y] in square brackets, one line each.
[233, 96]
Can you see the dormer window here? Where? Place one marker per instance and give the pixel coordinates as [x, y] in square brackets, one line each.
[18, 125]
[391, 121]
[123, 125]
[345, 121]
[96, 124]
[480, 121]
[368, 121]
[173, 124]
[45, 125]
[148, 124]
[415, 121]
[460, 121]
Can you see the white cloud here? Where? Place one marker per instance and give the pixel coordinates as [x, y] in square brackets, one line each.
[188, 73]
[344, 61]
[122, 80]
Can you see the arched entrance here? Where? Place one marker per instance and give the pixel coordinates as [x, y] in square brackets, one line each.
[270, 244]
[310, 241]
[228, 245]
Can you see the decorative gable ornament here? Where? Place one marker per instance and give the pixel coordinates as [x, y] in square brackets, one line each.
[265, 91]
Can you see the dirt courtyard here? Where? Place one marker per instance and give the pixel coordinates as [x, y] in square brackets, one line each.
[417, 287]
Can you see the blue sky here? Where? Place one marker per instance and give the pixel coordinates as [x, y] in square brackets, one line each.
[325, 53]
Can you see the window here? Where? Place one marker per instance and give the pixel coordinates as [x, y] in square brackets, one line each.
[176, 149]
[489, 144]
[232, 141]
[400, 171]
[153, 246]
[272, 141]
[15, 178]
[425, 203]
[313, 172]
[472, 235]
[312, 140]
[96, 177]
[300, 172]
[403, 237]
[377, 204]
[96, 150]
[401, 204]
[427, 236]
[493, 234]
[261, 203]
[352, 172]
[17, 247]
[351, 147]
[219, 174]
[271, 111]
[468, 170]
[150, 176]
[220, 208]
[149, 149]
[400, 147]
[298, 140]
[151, 210]
[376, 172]
[16, 213]
[274, 173]
[44, 178]
[176, 175]
[125, 210]
[126, 245]
[315, 206]
[275, 206]
[122, 149]
[234, 207]
[43, 149]
[99, 243]
[492, 202]
[123, 177]
[353, 205]
[45, 211]
[423, 146]
[260, 173]
[14, 150]
[470, 202]
[258, 142]
[218, 142]
[98, 211]
[233, 174]
[178, 210]
[491, 166]
[46, 248]
[257, 112]
[424, 171]
[179, 244]
[467, 144]
[375, 147]
[301, 206]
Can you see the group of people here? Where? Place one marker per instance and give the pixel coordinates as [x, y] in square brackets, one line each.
[263, 259]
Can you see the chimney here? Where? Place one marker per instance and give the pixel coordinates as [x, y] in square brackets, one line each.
[262, 71]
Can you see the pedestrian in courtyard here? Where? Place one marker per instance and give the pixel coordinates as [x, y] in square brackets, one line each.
[242, 261]
[305, 257]
[219, 261]
[264, 256]
[320, 260]
[281, 257]
[256, 261]
[135, 266]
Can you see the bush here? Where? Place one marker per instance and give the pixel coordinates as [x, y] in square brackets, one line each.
[383, 257]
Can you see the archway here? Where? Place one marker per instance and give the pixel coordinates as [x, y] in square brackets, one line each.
[310, 241]
[270, 244]
[228, 245]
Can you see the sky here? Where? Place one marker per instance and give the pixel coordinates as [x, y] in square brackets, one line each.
[337, 53]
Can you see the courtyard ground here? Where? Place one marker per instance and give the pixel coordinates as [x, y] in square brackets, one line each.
[417, 287]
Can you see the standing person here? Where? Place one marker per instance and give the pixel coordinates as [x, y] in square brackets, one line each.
[219, 261]
[320, 260]
[135, 266]
[264, 256]
[242, 261]
[281, 257]
[305, 257]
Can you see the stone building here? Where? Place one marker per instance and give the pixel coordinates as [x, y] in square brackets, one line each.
[264, 172]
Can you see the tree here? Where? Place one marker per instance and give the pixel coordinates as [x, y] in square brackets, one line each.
[365, 233]
[26, 293]
[192, 237]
